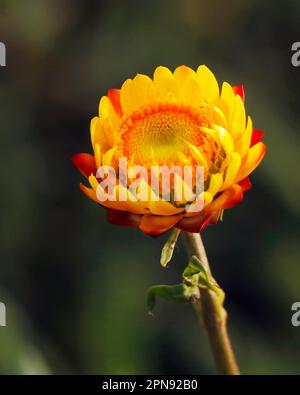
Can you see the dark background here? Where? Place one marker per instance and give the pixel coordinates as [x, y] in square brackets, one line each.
[74, 285]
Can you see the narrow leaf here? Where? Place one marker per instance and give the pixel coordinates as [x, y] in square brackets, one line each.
[168, 249]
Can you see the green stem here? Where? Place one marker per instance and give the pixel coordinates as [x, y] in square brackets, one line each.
[208, 312]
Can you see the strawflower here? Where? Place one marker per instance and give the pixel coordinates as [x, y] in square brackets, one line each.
[180, 120]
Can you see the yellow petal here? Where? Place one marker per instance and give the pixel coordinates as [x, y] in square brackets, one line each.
[197, 155]
[203, 200]
[227, 102]
[181, 75]
[144, 90]
[127, 98]
[224, 138]
[109, 128]
[232, 170]
[162, 207]
[191, 92]
[208, 83]
[220, 135]
[93, 128]
[97, 151]
[243, 143]
[165, 83]
[207, 198]
[103, 132]
[93, 182]
[251, 160]
[105, 107]
[239, 116]
[97, 188]
[218, 117]
[182, 158]
[108, 156]
[215, 183]
[107, 111]
[128, 202]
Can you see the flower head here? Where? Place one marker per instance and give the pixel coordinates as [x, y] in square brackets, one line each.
[173, 120]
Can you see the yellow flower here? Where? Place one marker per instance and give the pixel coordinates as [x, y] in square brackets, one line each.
[175, 119]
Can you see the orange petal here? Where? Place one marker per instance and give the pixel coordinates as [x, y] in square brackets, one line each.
[162, 207]
[257, 136]
[85, 163]
[123, 218]
[211, 220]
[245, 184]
[198, 223]
[156, 224]
[114, 97]
[239, 90]
[229, 198]
[193, 224]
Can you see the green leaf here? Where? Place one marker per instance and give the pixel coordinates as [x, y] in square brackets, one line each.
[222, 216]
[179, 293]
[194, 267]
[195, 273]
[168, 249]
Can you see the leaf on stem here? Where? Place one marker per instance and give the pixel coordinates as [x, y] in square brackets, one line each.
[168, 248]
[195, 272]
[179, 293]
[195, 276]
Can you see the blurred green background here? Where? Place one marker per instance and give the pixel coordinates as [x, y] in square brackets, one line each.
[74, 285]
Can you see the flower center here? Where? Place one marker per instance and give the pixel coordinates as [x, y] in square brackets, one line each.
[155, 135]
